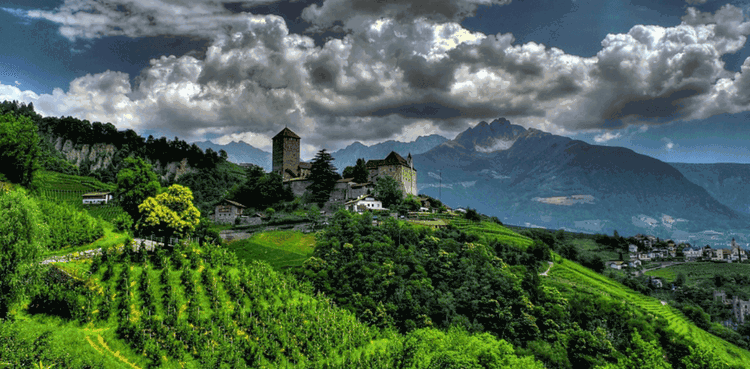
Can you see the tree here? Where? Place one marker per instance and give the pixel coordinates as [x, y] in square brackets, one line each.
[23, 237]
[360, 173]
[169, 213]
[388, 191]
[701, 358]
[643, 354]
[323, 176]
[135, 183]
[472, 215]
[19, 148]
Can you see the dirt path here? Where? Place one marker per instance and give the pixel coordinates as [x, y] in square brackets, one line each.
[550, 267]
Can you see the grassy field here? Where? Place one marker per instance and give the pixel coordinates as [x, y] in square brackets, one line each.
[280, 249]
[488, 231]
[589, 247]
[569, 275]
[698, 272]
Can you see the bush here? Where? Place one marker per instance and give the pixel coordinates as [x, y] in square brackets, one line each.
[123, 222]
[68, 225]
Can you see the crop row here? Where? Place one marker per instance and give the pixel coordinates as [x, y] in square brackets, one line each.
[579, 277]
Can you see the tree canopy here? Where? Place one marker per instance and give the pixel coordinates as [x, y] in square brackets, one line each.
[261, 190]
[358, 171]
[135, 183]
[169, 213]
[19, 148]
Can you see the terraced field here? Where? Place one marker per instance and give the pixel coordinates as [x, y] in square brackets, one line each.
[577, 277]
[69, 188]
[697, 272]
[488, 231]
[280, 249]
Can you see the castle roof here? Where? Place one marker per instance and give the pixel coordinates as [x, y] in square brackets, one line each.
[392, 159]
[286, 132]
[395, 159]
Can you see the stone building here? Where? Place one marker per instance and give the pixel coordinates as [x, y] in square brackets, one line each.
[285, 156]
[227, 211]
[740, 308]
[396, 167]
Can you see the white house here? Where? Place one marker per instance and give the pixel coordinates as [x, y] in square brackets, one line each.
[96, 198]
[364, 203]
[634, 263]
[692, 254]
[632, 248]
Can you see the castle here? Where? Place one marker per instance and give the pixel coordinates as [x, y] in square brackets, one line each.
[285, 161]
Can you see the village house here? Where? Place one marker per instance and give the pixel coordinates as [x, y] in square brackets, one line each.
[634, 263]
[616, 265]
[93, 198]
[227, 211]
[364, 203]
[692, 253]
[740, 308]
[632, 248]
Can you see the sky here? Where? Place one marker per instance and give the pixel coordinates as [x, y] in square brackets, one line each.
[669, 79]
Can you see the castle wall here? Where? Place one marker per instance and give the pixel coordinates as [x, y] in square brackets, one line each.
[299, 187]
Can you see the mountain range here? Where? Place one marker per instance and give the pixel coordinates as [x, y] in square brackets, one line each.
[533, 178]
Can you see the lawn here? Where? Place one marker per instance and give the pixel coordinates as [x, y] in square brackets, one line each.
[281, 249]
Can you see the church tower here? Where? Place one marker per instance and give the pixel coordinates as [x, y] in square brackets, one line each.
[285, 155]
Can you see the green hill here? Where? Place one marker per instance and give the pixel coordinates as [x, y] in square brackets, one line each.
[573, 278]
[279, 249]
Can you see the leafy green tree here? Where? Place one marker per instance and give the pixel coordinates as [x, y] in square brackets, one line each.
[261, 190]
[169, 213]
[23, 238]
[19, 148]
[136, 182]
[323, 176]
[642, 354]
[388, 191]
[701, 358]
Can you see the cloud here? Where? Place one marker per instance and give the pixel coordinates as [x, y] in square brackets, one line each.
[352, 13]
[401, 67]
[90, 19]
[606, 136]
[19, 13]
[668, 144]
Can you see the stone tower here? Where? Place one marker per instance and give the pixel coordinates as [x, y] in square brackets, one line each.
[286, 154]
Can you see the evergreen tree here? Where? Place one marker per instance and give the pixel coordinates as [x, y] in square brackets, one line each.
[360, 173]
[323, 176]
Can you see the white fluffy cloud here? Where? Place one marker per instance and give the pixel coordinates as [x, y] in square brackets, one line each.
[606, 136]
[391, 75]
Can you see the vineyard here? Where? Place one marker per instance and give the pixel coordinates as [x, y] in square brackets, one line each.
[488, 231]
[199, 308]
[70, 188]
[569, 275]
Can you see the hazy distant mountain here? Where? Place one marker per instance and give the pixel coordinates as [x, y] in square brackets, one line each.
[349, 155]
[530, 177]
[727, 182]
[241, 152]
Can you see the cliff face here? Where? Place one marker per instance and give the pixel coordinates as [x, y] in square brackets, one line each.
[100, 157]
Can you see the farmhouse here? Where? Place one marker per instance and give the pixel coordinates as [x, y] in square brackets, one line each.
[227, 211]
[96, 198]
